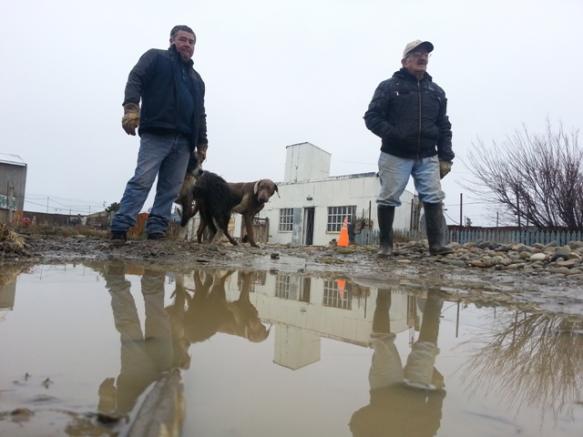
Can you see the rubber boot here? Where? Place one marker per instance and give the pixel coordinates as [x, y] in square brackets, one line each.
[419, 367]
[436, 229]
[385, 215]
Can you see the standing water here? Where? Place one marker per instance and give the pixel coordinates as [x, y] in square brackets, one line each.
[129, 349]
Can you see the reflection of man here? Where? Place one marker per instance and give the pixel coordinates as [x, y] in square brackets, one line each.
[144, 356]
[403, 402]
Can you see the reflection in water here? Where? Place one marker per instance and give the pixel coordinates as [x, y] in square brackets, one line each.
[403, 401]
[195, 315]
[209, 311]
[536, 359]
[8, 275]
[533, 360]
[144, 355]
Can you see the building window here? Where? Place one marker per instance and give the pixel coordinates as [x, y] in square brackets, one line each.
[286, 219]
[336, 216]
[282, 286]
[333, 297]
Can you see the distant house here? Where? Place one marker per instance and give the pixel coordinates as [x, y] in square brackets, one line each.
[12, 185]
[312, 205]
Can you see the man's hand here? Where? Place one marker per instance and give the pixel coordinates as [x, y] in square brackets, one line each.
[131, 118]
[444, 168]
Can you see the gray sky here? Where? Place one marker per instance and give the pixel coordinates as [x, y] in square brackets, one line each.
[276, 73]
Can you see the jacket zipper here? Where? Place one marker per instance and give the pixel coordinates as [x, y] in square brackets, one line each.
[419, 115]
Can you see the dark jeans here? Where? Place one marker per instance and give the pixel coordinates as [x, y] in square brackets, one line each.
[165, 156]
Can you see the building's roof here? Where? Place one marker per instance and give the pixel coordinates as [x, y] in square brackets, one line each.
[8, 158]
[310, 144]
[331, 178]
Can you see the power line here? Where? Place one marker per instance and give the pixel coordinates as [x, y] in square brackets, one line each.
[64, 201]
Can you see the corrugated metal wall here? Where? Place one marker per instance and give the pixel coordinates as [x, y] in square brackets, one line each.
[13, 182]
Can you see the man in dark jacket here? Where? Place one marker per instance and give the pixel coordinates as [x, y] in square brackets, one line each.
[172, 124]
[409, 113]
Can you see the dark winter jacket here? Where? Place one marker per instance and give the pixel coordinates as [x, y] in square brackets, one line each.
[163, 82]
[410, 116]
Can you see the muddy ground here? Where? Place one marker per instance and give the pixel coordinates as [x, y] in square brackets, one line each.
[546, 278]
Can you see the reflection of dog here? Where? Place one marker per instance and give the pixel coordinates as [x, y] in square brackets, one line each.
[209, 311]
[213, 202]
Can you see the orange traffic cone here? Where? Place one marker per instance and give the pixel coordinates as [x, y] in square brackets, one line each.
[343, 238]
[341, 284]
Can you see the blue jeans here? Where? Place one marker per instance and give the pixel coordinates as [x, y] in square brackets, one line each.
[167, 157]
[394, 174]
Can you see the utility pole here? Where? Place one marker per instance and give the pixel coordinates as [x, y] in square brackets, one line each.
[461, 208]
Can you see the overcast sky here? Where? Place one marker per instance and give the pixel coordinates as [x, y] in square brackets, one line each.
[276, 73]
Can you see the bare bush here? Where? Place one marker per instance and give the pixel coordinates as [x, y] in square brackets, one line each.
[538, 178]
[533, 359]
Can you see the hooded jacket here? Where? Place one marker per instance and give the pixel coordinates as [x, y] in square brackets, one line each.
[410, 116]
[157, 80]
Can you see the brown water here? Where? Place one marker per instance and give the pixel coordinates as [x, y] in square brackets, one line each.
[268, 354]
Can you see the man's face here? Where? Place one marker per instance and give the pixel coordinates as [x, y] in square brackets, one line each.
[184, 42]
[416, 61]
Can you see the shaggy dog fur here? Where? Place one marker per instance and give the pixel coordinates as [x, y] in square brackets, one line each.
[215, 203]
[193, 172]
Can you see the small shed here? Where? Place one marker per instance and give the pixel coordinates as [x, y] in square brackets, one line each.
[12, 184]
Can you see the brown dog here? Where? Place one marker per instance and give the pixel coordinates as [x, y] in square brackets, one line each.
[254, 196]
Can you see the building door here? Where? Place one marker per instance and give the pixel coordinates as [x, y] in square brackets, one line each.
[297, 227]
[309, 226]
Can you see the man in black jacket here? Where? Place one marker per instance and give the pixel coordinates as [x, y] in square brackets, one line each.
[172, 123]
[409, 113]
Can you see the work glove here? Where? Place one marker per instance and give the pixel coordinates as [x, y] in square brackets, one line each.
[201, 152]
[131, 118]
[444, 168]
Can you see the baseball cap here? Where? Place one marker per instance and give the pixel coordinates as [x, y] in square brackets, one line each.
[415, 45]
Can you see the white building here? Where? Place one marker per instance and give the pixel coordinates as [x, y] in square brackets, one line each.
[312, 205]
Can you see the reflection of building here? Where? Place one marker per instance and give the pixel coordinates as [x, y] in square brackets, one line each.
[304, 309]
[7, 295]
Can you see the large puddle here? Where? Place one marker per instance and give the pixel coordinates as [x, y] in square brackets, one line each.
[117, 349]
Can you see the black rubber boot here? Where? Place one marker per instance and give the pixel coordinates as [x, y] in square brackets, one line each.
[436, 229]
[385, 215]
[118, 238]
